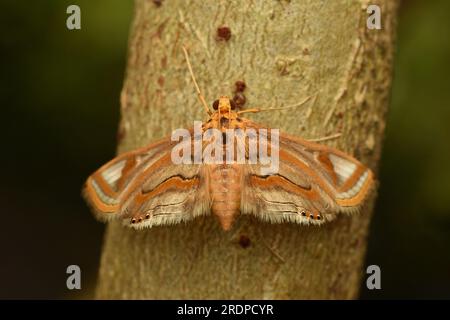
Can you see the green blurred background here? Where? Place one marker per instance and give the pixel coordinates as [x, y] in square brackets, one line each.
[59, 114]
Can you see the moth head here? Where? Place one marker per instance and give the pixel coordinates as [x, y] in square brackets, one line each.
[224, 104]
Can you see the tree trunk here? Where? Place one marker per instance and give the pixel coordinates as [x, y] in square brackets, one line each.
[284, 51]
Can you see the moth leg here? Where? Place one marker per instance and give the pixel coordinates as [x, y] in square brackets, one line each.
[256, 110]
[326, 138]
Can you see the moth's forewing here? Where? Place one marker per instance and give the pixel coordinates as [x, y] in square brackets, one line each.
[103, 190]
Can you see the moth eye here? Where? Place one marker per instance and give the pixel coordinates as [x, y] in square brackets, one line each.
[319, 217]
[232, 104]
[303, 213]
[216, 105]
[311, 216]
[147, 216]
[133, 220]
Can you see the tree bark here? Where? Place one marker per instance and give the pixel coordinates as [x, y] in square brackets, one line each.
[284, 51]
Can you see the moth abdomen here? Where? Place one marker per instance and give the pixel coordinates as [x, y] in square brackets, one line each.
[225, 190]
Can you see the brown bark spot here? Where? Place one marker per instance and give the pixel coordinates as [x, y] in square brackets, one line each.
[224, 33]
[160, 29]
[240, 86]
[164, 62]
[239, 99]
[161, 81]
[244, 241]
[120, 134]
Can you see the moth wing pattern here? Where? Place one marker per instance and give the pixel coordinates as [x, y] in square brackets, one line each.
[144, 188]
[313, 185]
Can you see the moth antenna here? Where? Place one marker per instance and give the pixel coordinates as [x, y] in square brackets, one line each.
[255, 110]
[199, 93]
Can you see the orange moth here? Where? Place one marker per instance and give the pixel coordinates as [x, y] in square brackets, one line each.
[220, 169]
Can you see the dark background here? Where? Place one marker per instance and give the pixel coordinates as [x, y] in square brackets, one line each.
[59, 94]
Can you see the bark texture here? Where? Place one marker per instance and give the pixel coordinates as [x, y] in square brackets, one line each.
[284, 51]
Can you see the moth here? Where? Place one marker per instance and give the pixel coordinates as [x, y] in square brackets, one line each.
[313, 184]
